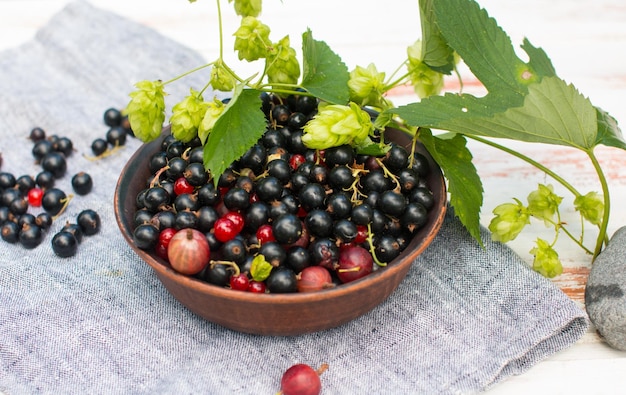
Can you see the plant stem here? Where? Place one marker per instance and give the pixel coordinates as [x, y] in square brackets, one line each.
[187, 73]
[602, 237]
[532, 162]
[219, 23]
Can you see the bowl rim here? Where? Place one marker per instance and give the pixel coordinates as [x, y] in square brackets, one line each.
[162, 268]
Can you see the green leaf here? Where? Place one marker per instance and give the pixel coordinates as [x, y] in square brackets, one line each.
[466, 191]
[435, 50]
[238, 128]
[538, 60]
[609, 133]
[483, 46]
[260, 268]
[324, 73]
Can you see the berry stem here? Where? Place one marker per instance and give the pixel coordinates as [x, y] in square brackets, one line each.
[370, 241]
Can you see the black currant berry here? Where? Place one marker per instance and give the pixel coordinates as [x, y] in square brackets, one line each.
[53, 200]
[112, 117]
[341, 155]
[89, 222]
[392, 203]
[415, 216]
[30, 236]
[45, 179]
[145, 236]
[269, 189]
[345, 231]
[234, 250]
[99, 146]
[423, 196]
[64, 244]
[186, 202]
[280, 114]
[74, 229]
[10, 232]
[155, 198]
[37, 134]
[217, 274]
[185, 220]
[274, 253]
[362, 214]
[324, 252]
[43, 220]
[319, 223]
[196, 174]
[298, 258]
[282, 280]
[82, 183]
[163, 220]
[7, 180]
[116, 136]
[25, 183]
[287, 229]
[64, 145]
[387, 248]
[55, 163]
[237, 199]
[41, 148]
[312, 196]
[396, 158]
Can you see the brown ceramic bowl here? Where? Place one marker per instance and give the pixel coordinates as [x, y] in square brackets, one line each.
[277, 314]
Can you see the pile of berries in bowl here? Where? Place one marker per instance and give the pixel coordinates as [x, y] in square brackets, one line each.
[288, 240]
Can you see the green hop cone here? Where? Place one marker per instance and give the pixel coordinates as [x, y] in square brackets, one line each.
[252, 39]
[426, 81]
[213, 111]
[336, 125]
[543, 203]
[187, 115]
[509, 221]
[146, 109]
[221, 79]
[591, 207]
[284, 67]
[367, 86]
[247, 7]
[546, 261]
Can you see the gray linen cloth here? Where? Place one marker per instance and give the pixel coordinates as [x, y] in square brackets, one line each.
[100, 322]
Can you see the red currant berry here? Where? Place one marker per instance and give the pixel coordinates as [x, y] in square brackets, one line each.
[34, 197]
[265, 234]
[361, 234]
[182, 186]
[256, 287]
[296, 160]
[237, 219]
[224, 230]
[239, 282]
[165, 236]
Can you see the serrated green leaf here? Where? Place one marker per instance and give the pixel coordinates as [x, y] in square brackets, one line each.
[238, 128]
[466, 191]
[483, 46]
[324, 73]
[436, 52]
[538, 60]
[609, 132]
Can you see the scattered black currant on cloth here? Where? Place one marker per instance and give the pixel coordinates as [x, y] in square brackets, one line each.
[282, 207]
[31, 204]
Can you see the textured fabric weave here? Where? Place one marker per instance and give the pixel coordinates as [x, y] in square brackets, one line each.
[100, 322]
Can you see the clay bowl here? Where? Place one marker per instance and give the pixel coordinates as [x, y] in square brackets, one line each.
[277, 314]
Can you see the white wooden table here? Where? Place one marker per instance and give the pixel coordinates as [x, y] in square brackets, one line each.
[586, 40]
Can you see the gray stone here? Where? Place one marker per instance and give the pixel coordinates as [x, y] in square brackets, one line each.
[605, 294]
